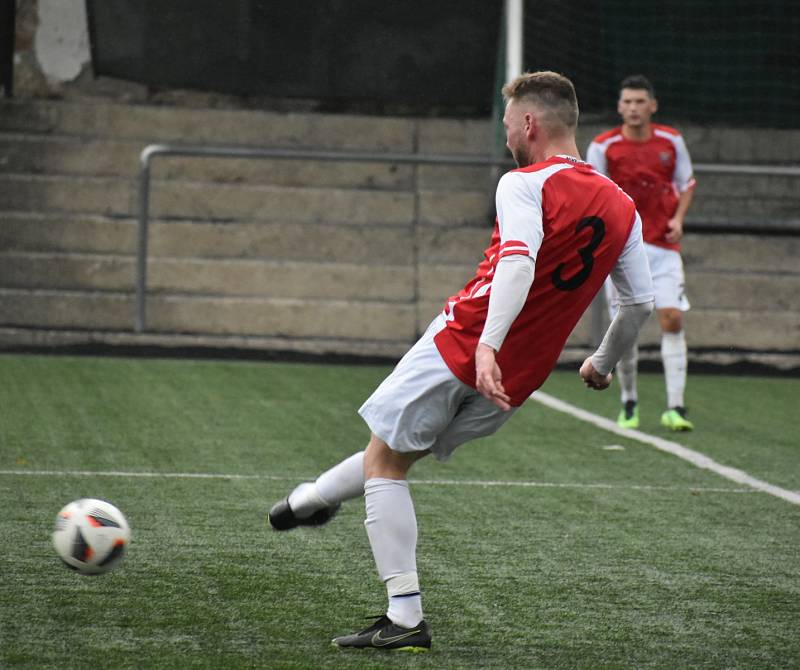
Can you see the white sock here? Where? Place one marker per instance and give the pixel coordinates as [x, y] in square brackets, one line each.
[674, 357]
[405, 610]
[305, 500]
[342, 482]
[392, 530]
[626, 374]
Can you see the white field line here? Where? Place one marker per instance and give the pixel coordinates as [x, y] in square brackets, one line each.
[693, 457]
[416, 482]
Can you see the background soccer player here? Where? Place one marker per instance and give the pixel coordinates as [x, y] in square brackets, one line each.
[651, 163]
[561, 229]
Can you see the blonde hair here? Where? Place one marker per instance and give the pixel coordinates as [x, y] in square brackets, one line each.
[553, 93]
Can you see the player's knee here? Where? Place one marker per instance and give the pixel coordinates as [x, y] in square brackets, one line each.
[382, 461]
[671, 320]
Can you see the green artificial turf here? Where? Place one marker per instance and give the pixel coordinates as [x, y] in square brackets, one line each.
[538, 547]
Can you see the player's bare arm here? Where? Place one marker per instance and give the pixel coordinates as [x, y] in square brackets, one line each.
[675, 224]
[512, 280]
[634, 286]
[489, 377]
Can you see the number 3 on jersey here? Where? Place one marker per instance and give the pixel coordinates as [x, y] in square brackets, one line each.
[598, 233]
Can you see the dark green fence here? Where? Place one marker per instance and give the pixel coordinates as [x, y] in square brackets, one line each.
[719, 62]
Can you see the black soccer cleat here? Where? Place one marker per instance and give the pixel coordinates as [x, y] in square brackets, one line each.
[281, 516]
[384, 634]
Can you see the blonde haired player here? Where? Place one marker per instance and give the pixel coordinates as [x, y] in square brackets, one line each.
[651, 163]
[561, 229]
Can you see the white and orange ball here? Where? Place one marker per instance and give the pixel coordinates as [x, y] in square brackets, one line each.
[91, 536]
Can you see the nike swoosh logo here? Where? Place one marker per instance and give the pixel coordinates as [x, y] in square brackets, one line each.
[379, 641]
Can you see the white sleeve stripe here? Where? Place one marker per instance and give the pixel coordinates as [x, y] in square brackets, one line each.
[519, 207]
[607, 143]
[682, 177]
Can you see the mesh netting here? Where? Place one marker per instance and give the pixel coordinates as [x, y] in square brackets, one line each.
[723, 62]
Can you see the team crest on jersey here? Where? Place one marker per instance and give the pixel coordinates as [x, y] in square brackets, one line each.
[665, 157]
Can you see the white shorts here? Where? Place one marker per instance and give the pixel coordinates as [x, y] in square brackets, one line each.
[423, 405]
[666, 267]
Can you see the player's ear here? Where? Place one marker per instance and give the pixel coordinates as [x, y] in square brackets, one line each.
[531, 126]
[653, 106]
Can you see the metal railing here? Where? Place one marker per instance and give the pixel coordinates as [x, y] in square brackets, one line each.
[153, 150]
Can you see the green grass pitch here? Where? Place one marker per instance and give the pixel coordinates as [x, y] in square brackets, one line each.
[538, 547]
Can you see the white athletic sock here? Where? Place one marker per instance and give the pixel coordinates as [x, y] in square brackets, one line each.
[305, 500]
[674, 357]
[392, 530]
[342, 482]
[626, 374]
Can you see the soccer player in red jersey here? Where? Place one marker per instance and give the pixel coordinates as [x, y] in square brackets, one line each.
[651, 163]
[561, 228]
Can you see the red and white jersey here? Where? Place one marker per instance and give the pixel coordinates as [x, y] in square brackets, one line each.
[653, 173]
[574, 223]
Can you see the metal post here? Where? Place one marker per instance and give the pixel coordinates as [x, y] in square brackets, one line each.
[140, 322]
[7, 37]
[514, 41]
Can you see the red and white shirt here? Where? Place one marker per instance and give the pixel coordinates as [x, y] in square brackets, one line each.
[653, 172]
[574, 223]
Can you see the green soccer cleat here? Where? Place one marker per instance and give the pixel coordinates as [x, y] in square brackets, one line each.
[385, 634]
[629, 415]
[675, 419]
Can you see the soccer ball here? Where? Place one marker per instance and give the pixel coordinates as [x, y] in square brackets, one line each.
[91, 536]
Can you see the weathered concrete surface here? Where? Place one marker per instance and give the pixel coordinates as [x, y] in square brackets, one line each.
[321, 257]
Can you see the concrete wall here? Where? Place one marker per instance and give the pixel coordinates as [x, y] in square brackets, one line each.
[345, 258]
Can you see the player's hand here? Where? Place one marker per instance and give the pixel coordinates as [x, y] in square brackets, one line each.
[488, 378]
[592, 378]
[674, 230]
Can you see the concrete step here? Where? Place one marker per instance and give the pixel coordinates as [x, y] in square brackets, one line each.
[92, 195]
[706, 290]
[164, 124]
[188, 276]
[268, 240]
[69, 155]
[730, 267]
[449, 195]
[709, 328]
[185, 200]
[737, 146]
[266, 348]
[47, 232]
[742, 146]
[732, 252]
[740, 253]
[341, 320]
[150, 123]
[705, 328]
[269, 317]
[738, 328]
[206, 201]
[102, 342]
[63, 155]
[472, 208]
[750, 292]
